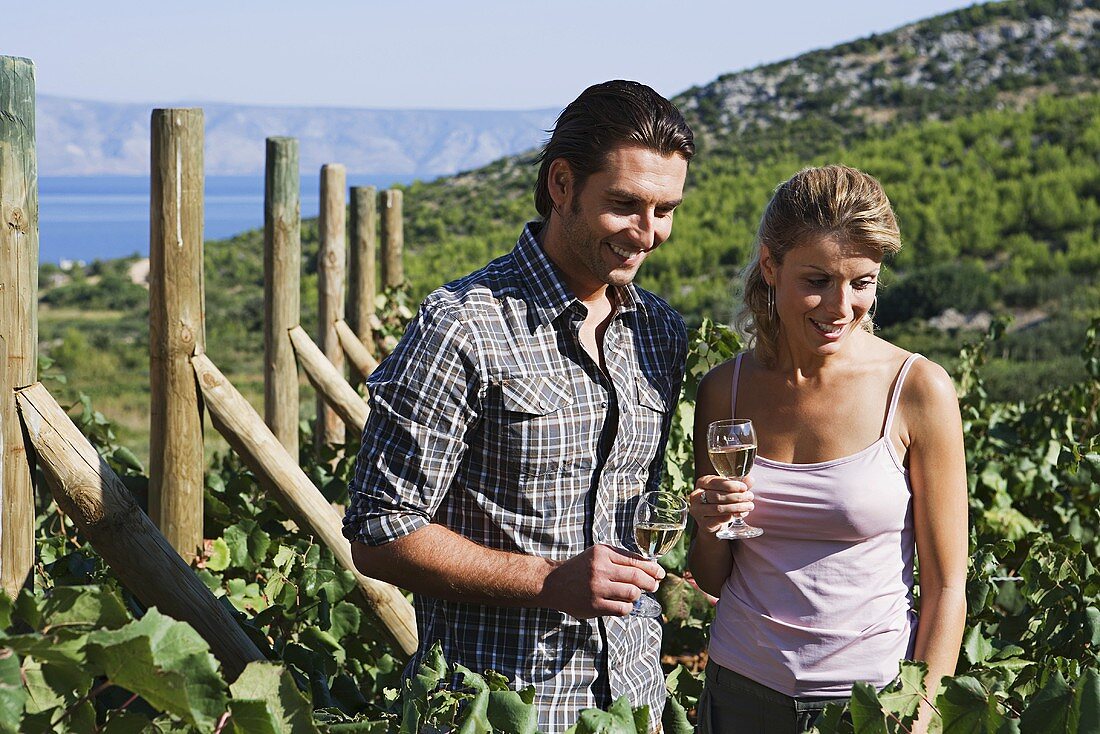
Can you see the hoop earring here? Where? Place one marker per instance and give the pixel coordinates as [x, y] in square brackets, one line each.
[870, 315]
[771, 304]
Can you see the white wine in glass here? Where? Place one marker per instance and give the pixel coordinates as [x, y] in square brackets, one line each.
[731, 445]
[659, 520]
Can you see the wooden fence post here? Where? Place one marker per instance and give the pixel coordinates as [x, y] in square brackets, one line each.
[176, 327]
[108, 516]
[362, 269]
[18, 312]
[331, 266]
[282, 288]
[393, 239]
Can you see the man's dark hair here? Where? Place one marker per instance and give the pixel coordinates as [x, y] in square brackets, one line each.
[604, 117]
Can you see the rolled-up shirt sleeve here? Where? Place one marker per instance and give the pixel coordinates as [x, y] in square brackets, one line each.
[423, 399]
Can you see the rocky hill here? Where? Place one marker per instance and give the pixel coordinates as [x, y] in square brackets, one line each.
[993, 55]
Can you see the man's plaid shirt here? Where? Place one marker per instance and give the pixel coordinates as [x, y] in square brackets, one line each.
[491, 419]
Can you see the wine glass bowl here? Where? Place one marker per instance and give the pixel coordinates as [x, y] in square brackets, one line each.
[731, 445]
[659, 520]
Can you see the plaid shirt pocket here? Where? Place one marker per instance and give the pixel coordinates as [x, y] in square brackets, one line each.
[535, 422]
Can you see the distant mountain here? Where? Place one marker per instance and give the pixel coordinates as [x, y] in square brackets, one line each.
[77, 137]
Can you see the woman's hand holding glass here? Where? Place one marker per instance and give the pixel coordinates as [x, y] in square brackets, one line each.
[731, 444]
[717, 501]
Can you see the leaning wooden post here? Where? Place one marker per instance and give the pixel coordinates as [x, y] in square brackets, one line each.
[331, 264]
[176, 327]
[362, 283]
[18, 312]
[282, 288]
[329, 382]
[393, 239]
[361, 358]
[109, 518]
[236, 420]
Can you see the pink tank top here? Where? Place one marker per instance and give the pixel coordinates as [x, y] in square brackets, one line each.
[823, 598]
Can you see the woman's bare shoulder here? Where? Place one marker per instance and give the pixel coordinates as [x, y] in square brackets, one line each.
[716, 388]
[929, 391]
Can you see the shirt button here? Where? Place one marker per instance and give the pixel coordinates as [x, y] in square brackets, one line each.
[603, 403]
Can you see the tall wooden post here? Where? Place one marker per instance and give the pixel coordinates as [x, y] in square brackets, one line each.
[18, 312]
[331, 266]
[176, 327]
[393, 239]
[282, 289]
[362, 282]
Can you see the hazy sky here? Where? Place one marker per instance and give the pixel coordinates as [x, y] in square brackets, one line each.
[478, 54]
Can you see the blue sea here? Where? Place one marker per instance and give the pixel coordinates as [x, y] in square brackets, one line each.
[103, 217]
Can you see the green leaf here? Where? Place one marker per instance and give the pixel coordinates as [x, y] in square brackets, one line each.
[508, 711]
[966, 707]
[1051, 709]
[903, 697]
[80, 718]
[165, 662]
[64, 647]
[6, 606]
[618, 719]
[126, 722]
[245, 596]
[832, 721]
[475, 715]
[432, 671]
[12, 694]
[52, 686]
[680, 600]
[125, 458]
[219, 555]
[867, 714]
[248, 544]
[976, 646]
[321, 641]
[674, 718]
[1092, 626]
[284, 558]
[1088, 701]
[86, 606]
[272, 686]
[251, 717]
[344, 620]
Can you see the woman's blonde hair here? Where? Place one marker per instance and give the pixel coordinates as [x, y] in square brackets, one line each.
[830, 201]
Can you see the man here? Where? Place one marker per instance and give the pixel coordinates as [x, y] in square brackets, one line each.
[522, 414]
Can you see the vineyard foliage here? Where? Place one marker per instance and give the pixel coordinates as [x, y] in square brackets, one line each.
[80, 653]
[996, 181]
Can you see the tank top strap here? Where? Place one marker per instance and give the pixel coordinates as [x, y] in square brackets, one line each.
[896, 394]
[733, 391]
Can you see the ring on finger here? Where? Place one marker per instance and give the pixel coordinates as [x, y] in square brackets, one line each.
[705, 502]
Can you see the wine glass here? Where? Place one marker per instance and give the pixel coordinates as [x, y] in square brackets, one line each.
[731, 445]
[659, 520]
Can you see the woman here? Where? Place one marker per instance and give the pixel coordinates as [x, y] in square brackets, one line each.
[860, 458]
